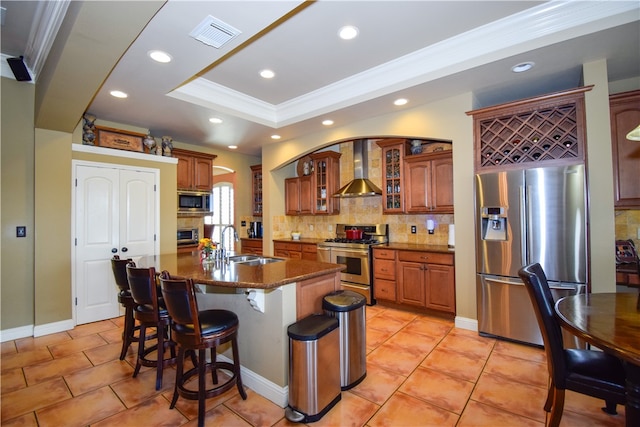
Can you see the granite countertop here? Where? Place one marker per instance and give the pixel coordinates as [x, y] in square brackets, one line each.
[418, 247]
[237, 275]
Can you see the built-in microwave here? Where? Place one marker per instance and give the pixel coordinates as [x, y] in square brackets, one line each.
[194, 203]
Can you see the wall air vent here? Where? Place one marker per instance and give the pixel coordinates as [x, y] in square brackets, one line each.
[214, 32]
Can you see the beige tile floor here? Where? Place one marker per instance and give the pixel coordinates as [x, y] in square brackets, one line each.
[421, 371]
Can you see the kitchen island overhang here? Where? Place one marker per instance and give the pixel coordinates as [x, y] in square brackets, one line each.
[292, 289]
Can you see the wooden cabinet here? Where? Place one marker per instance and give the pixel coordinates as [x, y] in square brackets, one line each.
[393, 154]
[426, 279]
[194, 170]
[625, 116]
[546, 130]
[419, 183]
[384, 274]
[295, 250]
[429, 183]
[310, 293]
[311, 194]
[256, 190]
[297, 195]
[251, 246]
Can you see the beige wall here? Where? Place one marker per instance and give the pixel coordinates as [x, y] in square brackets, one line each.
[17, 203]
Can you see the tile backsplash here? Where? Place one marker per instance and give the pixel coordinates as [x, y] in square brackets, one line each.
[627, 225]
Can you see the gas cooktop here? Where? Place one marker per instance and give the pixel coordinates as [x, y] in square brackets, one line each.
[372, 234]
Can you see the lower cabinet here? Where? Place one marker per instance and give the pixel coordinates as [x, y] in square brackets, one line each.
[421, 279]
[311, 292]
[251, 246]
[295, 250]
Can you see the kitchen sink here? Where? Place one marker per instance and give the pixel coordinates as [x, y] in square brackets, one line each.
[253, 260]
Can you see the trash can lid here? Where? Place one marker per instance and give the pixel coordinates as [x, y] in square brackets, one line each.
[343, 301]
[312, 328]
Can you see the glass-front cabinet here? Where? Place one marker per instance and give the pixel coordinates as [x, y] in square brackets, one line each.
[326, 173]
[393, 188]
[256, 180]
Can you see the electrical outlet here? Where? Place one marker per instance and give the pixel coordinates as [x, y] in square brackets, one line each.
[243, 223]
[21, 231]
[413, 229]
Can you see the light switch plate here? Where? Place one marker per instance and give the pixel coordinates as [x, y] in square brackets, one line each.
[21, 231]
[638, 231]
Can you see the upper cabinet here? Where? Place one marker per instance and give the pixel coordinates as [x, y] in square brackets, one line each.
[416, 183]
[546, 129]
[256, 186]
[311, 194]
[625, 116]
[194, 170]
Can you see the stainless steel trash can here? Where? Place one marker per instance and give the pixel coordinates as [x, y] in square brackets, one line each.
[348, 308]
[314, 370]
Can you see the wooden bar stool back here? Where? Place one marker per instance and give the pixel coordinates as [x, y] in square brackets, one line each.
[200, 330]
[150, 313]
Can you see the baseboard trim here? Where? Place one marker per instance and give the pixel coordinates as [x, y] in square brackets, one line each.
[52, 328]
[466, 323]
[262, 386]
[16, 333]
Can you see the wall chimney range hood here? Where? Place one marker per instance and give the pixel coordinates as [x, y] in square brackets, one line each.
[360, 186]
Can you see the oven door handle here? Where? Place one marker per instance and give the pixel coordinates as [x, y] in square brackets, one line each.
[349, 251]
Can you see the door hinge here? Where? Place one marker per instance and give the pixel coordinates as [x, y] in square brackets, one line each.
[76, 182]
[75, 241]
[76, 300]
[154, 188]
[154, 237]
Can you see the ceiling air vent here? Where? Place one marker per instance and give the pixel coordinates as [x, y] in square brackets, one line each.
[214, 32]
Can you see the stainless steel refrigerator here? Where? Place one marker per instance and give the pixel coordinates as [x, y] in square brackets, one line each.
[526, 216]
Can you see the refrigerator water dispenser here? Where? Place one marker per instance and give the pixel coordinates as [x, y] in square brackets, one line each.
[494, 223]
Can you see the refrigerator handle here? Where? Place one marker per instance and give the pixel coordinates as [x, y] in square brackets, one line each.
[524, 232]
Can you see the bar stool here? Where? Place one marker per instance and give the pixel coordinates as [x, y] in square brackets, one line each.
[119, 267]
[150, 313]
[200, 330]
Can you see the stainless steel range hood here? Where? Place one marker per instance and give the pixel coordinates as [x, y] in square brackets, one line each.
[360, 186]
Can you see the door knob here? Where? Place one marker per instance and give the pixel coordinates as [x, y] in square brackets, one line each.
[114, 250]
[124, 249]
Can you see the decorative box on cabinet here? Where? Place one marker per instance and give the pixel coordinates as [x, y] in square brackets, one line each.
[546, 129]
[256, 187]
[194, 171]
[384, 274]
[251, 246]
[429, 183]
[393, 154]
[625, 116]
[426, 279]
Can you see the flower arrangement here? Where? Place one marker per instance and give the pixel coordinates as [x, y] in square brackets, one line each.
[206, 246]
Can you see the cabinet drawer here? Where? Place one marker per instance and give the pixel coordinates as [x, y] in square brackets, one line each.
[283, 246]
[384, 269]
[384, 289]
[426, 257]
[384, 253]
[309, 248]
[288, 254]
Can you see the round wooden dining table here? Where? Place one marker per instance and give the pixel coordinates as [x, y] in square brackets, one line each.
[611, 322]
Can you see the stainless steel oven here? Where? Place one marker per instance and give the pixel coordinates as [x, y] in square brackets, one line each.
[355, 255]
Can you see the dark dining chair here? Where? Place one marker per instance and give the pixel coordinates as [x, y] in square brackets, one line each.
[150, 312]
[200, 330]
[589, 372]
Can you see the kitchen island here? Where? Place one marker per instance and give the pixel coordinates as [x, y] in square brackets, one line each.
[267, 299]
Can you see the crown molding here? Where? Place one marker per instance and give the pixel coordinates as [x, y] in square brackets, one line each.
[47, 21]
[543, 25]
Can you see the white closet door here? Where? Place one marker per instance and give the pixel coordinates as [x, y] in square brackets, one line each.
[115, 214]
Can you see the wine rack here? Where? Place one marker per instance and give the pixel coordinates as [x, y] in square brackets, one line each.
[525, 133]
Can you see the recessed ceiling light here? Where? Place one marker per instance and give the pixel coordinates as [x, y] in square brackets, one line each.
[233, 147]
[267, 74]
[215, 120]
[400, 101]
[275, 136]
[118, 94]
[327, 122]
[160, 56]
[348, 32]
[522, 67]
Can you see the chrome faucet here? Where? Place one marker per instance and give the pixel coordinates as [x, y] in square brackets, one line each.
[223, 253]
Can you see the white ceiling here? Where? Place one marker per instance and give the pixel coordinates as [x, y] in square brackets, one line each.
[420, 50]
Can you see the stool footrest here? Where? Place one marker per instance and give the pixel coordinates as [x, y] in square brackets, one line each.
[211, 392]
